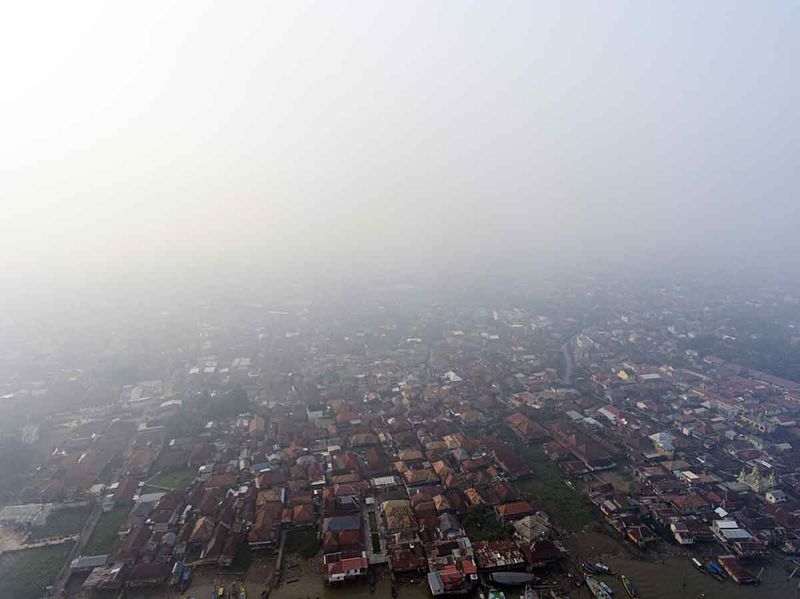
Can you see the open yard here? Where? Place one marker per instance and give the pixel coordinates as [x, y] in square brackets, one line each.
[303, 542]
[61, 523]
[105, 533]
[622, 482]
[25, 574]
[483, 526]
[547, 492]
[547, 489]
[172, 481]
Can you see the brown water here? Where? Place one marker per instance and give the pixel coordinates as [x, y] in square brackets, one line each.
[653, 579]
[657, 580]
[312, 586]
[205, 580]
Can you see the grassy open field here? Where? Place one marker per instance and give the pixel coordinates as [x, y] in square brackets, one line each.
[483, 526]
[548, 492]
[303, 542]
[25, 574]
[172, 481]
[60, 523]
[546, 488]
[622, 482]
[105, 533]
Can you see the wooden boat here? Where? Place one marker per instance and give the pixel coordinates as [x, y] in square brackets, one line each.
[698, 564]
[530, 593]
[588, 568]
[595, 587]
[629, 588]
[601, 568]
[609, 591]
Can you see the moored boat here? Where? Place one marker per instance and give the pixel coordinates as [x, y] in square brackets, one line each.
[698, 564]
[601, 568]
[629, 588]
[496, 594]
[609, 591]
[596, 588]
[588, 568]
[530, 593]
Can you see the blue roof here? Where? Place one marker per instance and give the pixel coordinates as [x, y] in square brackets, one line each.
[338, 523]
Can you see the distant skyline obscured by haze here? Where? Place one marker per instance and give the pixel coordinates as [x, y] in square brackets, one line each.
[350, 136]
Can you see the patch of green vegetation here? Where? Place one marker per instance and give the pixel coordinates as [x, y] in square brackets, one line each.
[173, 481]
[540, 416]
[184, 424]
[546, 488]
[483, 526]
[61, 523]
[104, 475]
[105, 533]
[585, 389]
[227, 404]
[243, 559]
[303, 542]
[16, 459]
[25, 574]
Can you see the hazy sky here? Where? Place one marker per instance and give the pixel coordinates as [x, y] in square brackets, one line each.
[141, 135]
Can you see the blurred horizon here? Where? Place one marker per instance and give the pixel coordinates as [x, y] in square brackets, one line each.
[156, 142]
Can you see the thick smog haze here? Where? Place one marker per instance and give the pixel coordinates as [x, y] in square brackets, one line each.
[341, 136]
[411, 299]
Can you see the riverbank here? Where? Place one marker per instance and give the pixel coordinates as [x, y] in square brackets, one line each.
[665, 572]
[205, 580]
